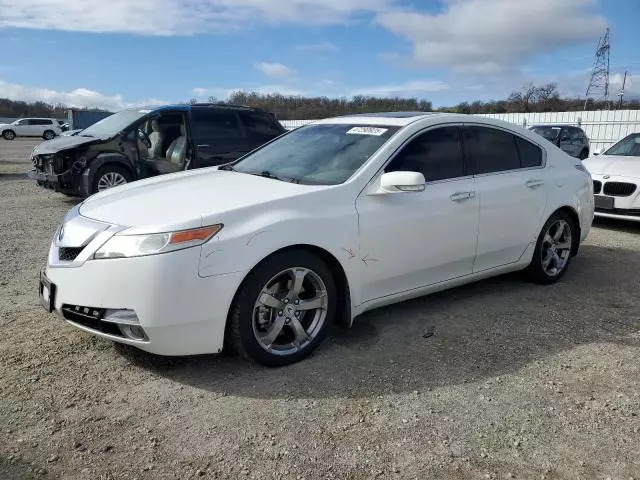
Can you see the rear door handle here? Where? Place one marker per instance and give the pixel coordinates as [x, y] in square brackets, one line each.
[534, 183]
[460, 196]
[203, 146]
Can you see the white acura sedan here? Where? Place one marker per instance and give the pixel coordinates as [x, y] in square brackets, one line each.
[322, 224]
[616, 179]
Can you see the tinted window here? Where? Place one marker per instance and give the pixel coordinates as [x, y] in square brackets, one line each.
[215, 123]
[491, 150]
[530, 154]
[260, 124]
[23, 122]
[437, 154]
[39, 121]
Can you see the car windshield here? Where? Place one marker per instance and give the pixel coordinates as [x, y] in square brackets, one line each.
[550, 133]
[113, 124]
[629, 146]
[324, 154]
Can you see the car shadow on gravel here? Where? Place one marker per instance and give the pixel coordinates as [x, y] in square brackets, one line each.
[487, 329]
[617, 225]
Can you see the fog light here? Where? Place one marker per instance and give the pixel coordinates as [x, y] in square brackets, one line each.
[133, 332]
[124, 316]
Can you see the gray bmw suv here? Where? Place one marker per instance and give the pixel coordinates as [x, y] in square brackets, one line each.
[570, 139]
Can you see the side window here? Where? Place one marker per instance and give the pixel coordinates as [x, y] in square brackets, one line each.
[491, 150]
[215, 123]
[530, 154]
[437, 154]
[23, 122]
[260, 125]
[34, 122]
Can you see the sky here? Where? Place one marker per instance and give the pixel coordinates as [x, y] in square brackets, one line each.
[119, 53]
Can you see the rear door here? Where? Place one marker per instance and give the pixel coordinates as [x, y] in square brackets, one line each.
[217, 135]
[511, 183]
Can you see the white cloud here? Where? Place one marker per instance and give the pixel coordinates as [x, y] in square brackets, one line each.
[178, 17]
[413, 88]
[491, 36]
[275, 70]
[77, 98]
[318, 47]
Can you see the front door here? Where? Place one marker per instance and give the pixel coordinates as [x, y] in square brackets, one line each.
[413, 239]
[511, 184]
[22, 128]
[218, 136]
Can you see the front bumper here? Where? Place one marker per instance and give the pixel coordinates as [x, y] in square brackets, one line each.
[614, 204]
[180, 312]
[68, 182]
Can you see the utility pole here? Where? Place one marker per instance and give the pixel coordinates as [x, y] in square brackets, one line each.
[598, 89]
[621, 93]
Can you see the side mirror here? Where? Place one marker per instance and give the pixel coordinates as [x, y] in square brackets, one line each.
[402, 182]
[598, 151]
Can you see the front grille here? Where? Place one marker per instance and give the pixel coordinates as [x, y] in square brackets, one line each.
[69, 254]
[90, 318]
[619, 189]
[597, 187]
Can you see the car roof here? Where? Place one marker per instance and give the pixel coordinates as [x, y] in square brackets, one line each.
[554, 125]
[185, 107]
[399, 119]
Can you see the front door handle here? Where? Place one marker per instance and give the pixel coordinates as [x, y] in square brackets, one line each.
[203, 146]
[460, 196]
[534, 183]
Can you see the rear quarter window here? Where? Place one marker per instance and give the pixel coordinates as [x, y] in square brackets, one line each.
[530, 154]
[258, 124]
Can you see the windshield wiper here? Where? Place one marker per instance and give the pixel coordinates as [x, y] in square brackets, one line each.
[268, 174]
[227, 167]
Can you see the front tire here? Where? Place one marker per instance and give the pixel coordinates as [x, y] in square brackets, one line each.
[9, 134]
[49, 135]
[109, 176]
[553, 251]
[283, 309]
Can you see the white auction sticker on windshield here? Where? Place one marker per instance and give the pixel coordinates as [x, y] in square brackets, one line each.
[367, 131]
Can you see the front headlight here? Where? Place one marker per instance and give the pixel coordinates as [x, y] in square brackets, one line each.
[124, 246]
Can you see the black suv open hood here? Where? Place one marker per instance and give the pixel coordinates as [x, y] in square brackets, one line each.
[64, 143]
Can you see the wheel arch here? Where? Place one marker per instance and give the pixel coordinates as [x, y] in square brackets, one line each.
[102, 160]
[575, 218]
[343, 308]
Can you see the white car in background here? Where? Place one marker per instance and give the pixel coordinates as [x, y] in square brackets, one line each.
[321, 224]
[47, 128]
[616, 179]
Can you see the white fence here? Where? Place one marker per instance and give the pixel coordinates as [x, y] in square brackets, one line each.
[603, 127]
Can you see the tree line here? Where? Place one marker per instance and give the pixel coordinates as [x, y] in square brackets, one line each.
[530, 98]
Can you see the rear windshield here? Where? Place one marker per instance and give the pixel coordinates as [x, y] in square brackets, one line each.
[550, 133]
[317, 154]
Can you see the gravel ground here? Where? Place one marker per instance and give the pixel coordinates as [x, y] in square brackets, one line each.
[517, 381]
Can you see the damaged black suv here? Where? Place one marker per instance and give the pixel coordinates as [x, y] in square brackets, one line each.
[139, 143]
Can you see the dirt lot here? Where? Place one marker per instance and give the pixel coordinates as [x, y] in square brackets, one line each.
[518, 381]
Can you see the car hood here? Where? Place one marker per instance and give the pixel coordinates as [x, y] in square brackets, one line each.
[186, 200]
[64, 143]
[613, 165]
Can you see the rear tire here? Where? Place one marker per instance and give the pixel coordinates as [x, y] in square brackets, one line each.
[109, 176]
[554, 248]
[283, 309]
[49, 135]
[9, 134]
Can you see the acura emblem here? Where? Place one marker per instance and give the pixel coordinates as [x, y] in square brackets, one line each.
[606, 177]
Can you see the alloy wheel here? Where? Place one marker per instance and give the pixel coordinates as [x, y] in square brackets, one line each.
[290, 311]
[556, 247]
[111, 179]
